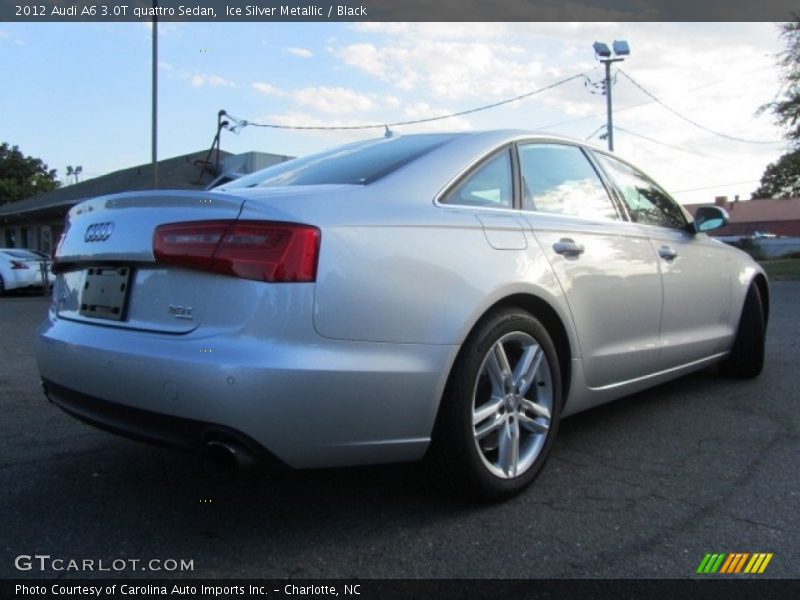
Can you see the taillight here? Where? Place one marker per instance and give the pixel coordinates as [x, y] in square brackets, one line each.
[260, 250]
[15, 264]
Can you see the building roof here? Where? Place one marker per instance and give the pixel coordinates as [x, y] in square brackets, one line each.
[780, 216]
[177, 173]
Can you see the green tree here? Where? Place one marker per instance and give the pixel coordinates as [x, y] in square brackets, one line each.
[23, 176]
[782, 177]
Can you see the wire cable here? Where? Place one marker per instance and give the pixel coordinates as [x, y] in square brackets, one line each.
[240, 123]
[638, 104]
[719, 185]
[596, 131]
[649, 139]
[693, 122]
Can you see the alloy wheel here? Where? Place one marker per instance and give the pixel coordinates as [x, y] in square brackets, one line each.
[512, 405]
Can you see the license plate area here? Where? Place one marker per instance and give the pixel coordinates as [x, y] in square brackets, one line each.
[104, 294]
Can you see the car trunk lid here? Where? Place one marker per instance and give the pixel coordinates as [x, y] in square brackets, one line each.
[108, 274]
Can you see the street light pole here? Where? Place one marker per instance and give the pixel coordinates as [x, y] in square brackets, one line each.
[610, 113]
[603, 52]
[610, 117]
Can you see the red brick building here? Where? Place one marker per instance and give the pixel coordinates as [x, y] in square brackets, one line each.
[779, 216]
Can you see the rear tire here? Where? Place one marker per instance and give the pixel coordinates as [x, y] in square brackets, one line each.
[746, 359]
[2, 286]
[501, 407]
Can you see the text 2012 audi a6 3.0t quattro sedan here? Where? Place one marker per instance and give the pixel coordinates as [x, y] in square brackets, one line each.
[452, 294]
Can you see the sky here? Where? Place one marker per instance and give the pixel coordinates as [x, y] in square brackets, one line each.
[80, 93]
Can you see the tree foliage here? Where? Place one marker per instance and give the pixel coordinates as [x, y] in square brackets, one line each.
[787, 108]
[23, 176]
[782, 177]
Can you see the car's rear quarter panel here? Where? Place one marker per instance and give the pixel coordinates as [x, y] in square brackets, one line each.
[261, 370]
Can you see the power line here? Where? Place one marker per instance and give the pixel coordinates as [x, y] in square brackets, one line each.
[243, 123]
[691, 121]
[596, 131]
[592, 116]
[691, 89]
[719, 185]
[638, 104]
[684, 148]
[649, 139]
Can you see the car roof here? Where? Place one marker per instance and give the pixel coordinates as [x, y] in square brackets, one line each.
[19, 250]
[506, 135]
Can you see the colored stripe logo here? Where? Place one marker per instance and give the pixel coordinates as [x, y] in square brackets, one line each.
[734, 562]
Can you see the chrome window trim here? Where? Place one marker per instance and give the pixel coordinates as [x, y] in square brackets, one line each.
[517, 179]
[473, 167]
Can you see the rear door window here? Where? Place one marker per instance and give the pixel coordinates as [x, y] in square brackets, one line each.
[559, 179]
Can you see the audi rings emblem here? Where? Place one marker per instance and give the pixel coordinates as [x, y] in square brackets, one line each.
[98, 232]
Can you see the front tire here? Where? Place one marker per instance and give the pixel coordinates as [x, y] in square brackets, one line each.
[501, 408]
[746, 359]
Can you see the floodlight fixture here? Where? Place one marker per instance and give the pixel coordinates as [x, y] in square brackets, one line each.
[601, 49]
[621, 48]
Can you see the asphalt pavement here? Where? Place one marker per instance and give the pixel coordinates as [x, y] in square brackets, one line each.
[642, 487]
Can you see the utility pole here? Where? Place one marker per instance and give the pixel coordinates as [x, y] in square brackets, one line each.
[610, 113]
[603, 53]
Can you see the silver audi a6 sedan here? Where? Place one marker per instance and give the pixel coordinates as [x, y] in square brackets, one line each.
[448, 294]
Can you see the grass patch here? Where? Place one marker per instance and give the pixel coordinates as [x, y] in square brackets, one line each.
[782, 268]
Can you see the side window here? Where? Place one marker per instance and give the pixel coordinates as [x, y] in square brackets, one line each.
[560, 179]
[647, 203]
[490, 185]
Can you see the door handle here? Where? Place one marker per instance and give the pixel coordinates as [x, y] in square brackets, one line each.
[568, 247]
[667, 253]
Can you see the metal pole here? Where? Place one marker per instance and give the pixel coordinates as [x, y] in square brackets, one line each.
[43, 268]
[155, 99]
[610, 122]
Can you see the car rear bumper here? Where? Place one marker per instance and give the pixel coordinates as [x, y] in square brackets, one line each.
[24, 278]
[151, 427]
[311, 402]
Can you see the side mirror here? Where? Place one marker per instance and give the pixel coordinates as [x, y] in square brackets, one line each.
[709, 218]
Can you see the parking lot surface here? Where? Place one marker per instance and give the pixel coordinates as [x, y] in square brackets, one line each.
[643, 487]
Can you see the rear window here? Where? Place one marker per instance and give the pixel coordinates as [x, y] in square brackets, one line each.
[360, 163]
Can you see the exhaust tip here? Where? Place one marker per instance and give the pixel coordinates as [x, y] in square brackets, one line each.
[229, 455]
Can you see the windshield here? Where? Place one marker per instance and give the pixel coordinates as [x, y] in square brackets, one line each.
[360, 163]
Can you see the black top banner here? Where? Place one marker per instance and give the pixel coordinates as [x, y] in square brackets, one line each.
[244, 11]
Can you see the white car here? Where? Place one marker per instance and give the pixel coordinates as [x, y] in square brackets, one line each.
[20, 268]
